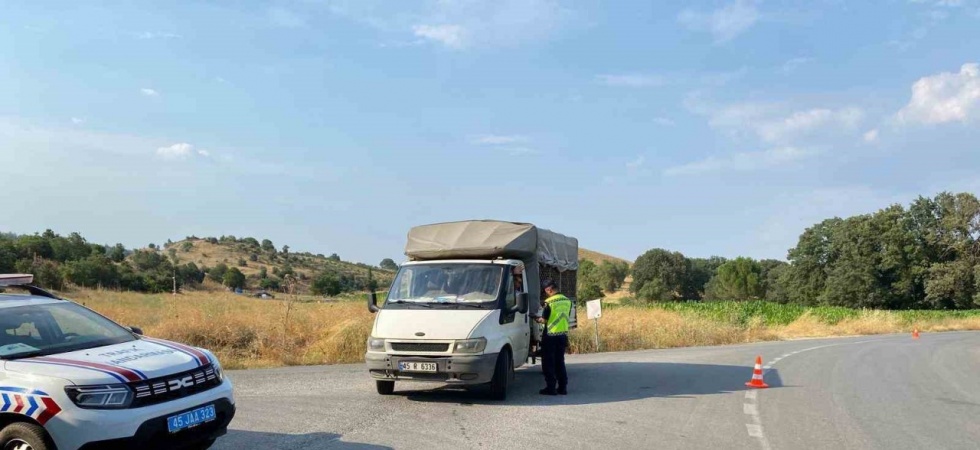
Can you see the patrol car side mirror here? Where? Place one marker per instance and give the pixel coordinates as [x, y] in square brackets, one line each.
[373, 302]
[521, 305]
[136, 330]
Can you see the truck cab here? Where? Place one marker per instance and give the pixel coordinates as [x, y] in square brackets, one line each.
[459, 322]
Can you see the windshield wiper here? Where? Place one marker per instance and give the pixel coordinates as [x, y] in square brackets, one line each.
[406, 302]
[470, 305]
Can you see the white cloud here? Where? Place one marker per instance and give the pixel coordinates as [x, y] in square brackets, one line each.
[176, 151]
[724, 23]
[631, 80]
[803, 122]
[452, 36]
[77, 120]
[742, 162]
[284, 18]
[181, 150]
[152, 35]
[775, 123]
[944, 97]
[664, 121]
[496, 139]
[149, 92]
[636, 163]
[871, 136]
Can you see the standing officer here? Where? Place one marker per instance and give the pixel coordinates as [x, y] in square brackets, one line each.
[554, 341]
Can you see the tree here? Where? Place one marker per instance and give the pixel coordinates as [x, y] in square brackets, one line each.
[372, 284]
[285, 250]
[263, 273]
[613, 274]
[253, 257]
[739, 279]
[326, 283]
[702, 270]
[388, 264]
[186, 246]
[334, 257]
[94, 271]
[268, 246]
[234, 278]
[217, 273]
[242, 262]
[117, 253]
[669, 270]
[251, 242]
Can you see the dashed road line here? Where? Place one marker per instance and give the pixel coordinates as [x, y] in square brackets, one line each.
[751, 406]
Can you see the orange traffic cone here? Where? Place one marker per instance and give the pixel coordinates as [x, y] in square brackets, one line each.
[915, 333]
[756, 381]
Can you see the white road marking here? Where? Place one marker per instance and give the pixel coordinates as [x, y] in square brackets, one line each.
[751, 409]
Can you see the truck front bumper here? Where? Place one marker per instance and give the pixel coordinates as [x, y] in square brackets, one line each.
[459, 370]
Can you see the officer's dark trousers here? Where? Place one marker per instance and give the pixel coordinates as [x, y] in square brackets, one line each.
[553, 360]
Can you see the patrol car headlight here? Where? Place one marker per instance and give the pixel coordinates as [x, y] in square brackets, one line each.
[470, 345]
[111, 396]
[376, 344]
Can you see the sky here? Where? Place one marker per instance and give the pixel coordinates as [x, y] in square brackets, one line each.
[710, 128]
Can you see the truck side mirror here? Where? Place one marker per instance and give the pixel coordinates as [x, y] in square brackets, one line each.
[373, 302]
[521, 306]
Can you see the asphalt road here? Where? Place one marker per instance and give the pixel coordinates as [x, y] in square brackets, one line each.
[879, 392]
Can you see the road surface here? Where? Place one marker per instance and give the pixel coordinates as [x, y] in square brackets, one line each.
[876, 392]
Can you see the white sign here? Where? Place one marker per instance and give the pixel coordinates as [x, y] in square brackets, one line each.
[593, 309]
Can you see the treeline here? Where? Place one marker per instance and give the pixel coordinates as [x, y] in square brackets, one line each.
[925, 256]
[56, 260]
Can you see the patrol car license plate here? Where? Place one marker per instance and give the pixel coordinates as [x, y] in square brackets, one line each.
[191, 418]
[408, 366]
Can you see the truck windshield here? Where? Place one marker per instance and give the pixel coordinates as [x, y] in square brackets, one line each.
[39, 330]
[425, 285]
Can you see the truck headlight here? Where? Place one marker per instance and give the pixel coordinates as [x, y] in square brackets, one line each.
[376, 344]
[110, 396]
[470, 345]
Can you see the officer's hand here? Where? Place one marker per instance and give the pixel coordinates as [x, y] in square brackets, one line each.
[539, 320]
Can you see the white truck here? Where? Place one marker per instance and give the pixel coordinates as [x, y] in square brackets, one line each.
[459, 312]
[71, 379]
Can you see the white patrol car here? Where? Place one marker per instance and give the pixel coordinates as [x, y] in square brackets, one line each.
[72, 379]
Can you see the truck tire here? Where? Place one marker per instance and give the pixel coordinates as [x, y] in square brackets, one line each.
[385, 387]
[25, 436]
[503, 373]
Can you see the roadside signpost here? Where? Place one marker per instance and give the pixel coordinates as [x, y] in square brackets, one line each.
[593, 310]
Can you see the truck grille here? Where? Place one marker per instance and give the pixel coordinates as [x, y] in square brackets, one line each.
[172, 387]
[419, 347]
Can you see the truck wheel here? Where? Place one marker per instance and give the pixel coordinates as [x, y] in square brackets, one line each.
[385, 387]
[24, 436]
[502, 374]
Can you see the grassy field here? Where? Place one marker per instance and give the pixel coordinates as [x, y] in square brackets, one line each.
[249, 333]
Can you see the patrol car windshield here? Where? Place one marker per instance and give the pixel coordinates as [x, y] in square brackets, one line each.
[39, 330]
[438, 285]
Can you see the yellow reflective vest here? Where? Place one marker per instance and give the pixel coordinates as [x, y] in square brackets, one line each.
[560, 307]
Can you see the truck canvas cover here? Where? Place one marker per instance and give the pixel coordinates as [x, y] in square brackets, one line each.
[479, 239]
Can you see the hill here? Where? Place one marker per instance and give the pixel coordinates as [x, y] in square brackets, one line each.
[260, 262]
[598, 258]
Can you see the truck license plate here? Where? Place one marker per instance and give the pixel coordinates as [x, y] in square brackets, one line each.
[408, 366]
[191, 418]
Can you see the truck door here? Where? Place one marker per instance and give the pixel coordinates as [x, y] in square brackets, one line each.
[515, 324]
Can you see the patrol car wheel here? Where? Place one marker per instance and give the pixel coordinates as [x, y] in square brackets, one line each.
[24, 436]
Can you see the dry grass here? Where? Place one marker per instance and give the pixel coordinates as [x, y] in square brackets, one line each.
[249, 333]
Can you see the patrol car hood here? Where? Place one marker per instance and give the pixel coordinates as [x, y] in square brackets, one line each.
[427, 323]
[121, 363]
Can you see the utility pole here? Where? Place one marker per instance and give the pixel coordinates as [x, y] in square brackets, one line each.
[175, 284]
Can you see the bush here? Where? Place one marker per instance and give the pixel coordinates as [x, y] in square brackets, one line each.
[326, 284]
[234, 278]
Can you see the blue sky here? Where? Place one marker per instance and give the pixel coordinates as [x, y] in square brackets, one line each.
[712, 128]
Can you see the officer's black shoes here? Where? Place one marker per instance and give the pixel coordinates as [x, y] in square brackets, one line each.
[562, 391]
[547, 391]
